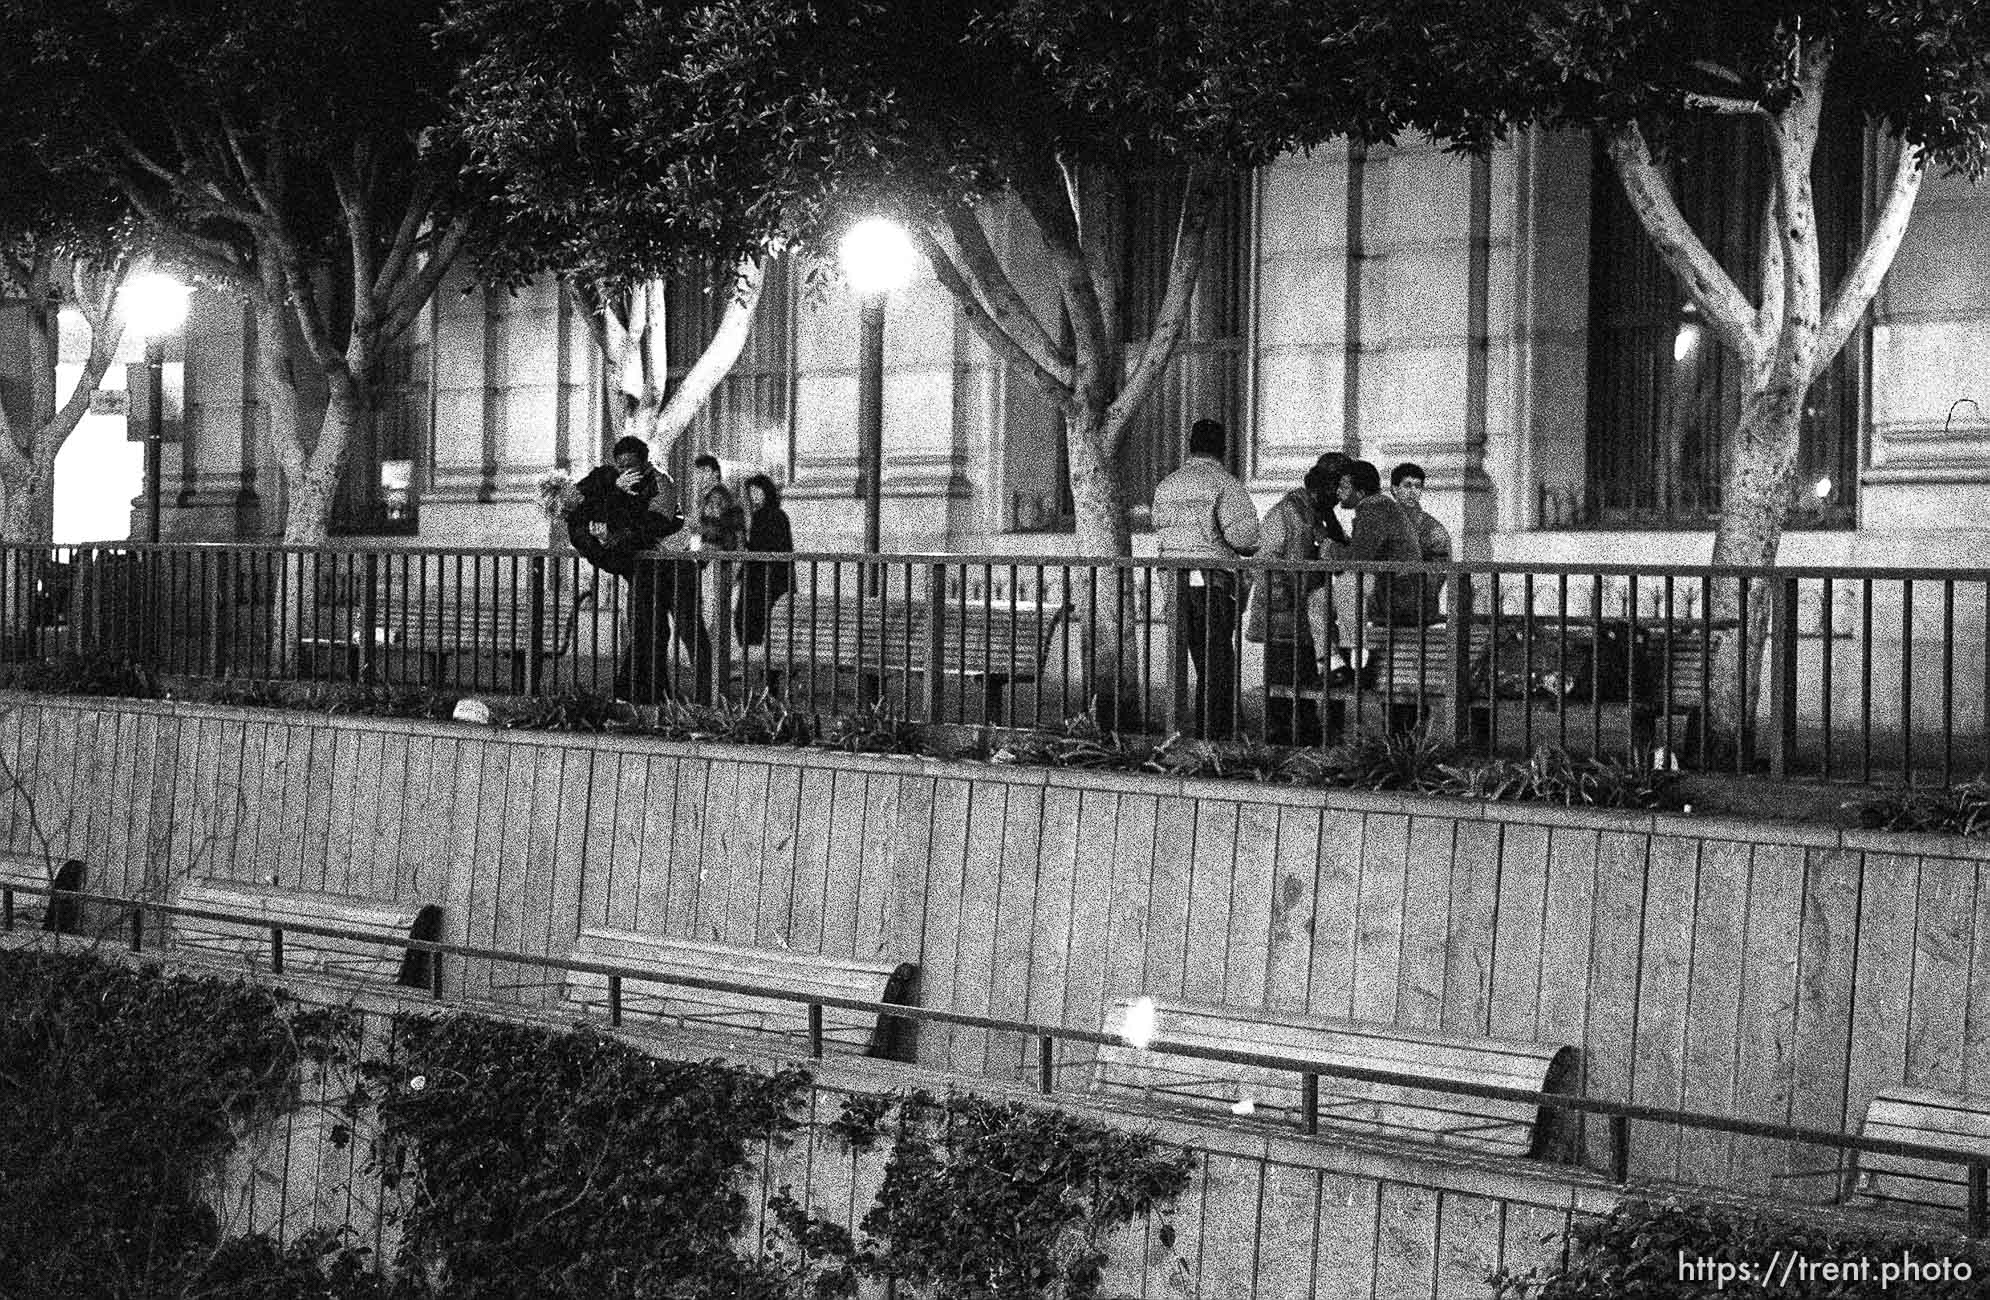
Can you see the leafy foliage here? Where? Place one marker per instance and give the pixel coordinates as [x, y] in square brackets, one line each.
[872, 729]
[1958, 810]
[985, 1198]
[570, 710]
[1638, 1248]
[121, 1089]
[94, 673]
[762, 720]
[571, 1165]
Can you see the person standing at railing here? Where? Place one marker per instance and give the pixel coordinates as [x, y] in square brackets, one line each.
[702, 590]
[1290, 612]
[762, 582]
[1202, 511]
[1433, 539]
[617, 514]
[1382, 532]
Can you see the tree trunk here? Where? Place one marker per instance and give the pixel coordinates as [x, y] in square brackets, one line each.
[1759, 486]
[26, 508]
[1107, 608]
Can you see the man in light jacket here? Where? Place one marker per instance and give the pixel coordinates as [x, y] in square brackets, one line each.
[1202, 511]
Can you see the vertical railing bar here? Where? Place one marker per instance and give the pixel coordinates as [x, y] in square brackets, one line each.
[276, 950]
[1562, 660]
[1668, 688]
[1620, 1149]
[1046, 1064]
[1744, 750]
[615, 1001]
[1596, 662]
[1866, 681]
[1948, 681]
[1706, 666]
[1631, 683]
[1827, 651]
[1907, 681]
[1309, 1104]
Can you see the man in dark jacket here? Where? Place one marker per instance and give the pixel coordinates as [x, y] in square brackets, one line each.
[1383, 532]
[615, 515]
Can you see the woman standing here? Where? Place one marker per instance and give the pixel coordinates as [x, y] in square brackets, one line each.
[762, 582]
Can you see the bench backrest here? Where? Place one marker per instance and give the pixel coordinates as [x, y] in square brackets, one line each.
[1449, 1119]
[33, 871]
[1007, 637]
[249, 943]
[804, 973]
[1940, 1119]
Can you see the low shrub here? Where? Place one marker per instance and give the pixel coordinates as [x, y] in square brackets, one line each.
[1958, 810]
[123, 1088]
[92, 673]
[568, 1164]
[1671, 1247]
[985, 1198]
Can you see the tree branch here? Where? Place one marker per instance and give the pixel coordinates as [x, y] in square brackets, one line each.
[1728, 105]
[721, 351]
[1855, 292]
[1184, 269]
[411, 294]
[990, 282]
[1056, 385]
[1709, 286]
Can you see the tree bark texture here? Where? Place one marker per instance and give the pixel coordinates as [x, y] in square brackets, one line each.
[1784, 341]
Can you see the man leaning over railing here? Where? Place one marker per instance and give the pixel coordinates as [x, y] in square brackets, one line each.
[1202, 511]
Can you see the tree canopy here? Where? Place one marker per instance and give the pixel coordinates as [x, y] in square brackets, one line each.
[284, 150]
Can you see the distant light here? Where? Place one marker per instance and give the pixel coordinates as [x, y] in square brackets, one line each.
[1822, 488]
[1141, 1021]
[877, 255]
[153, 304]
[1244, 1106]
[1685, 341]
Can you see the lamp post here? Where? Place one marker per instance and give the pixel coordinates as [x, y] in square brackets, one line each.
[877, 257]
[154, 305]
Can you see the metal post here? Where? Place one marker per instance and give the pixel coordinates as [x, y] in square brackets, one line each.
[935, 681]
[870, 425]
[1620, 1149]
[1309, 1103]
[1783, 678]
[1046, 1064]
[155, 431]
[815, 1030]
[535, 595]
[615, 1000]
[6, 909]
[276, 950]
[1979, 1200]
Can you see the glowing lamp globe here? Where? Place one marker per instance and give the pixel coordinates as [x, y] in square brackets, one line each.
[154, 304]
[876, 255]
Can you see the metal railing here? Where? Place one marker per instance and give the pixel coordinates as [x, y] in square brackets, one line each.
[1867, 675]
[1974, 1165]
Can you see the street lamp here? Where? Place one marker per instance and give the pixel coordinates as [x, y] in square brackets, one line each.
[154, 305]
[877, 257]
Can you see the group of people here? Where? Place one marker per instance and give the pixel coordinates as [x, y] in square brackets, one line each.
[1308, 621]
[627, 509]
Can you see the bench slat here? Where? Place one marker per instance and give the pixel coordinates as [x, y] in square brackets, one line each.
[803, 973]
[1509, 1128]
[249, 942]
[1920, 1115]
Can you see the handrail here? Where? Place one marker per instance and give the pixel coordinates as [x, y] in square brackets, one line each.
[1976, 1165]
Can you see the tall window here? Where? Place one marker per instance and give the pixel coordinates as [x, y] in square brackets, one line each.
[746, 421]
[1205, 377]
[1664, 395]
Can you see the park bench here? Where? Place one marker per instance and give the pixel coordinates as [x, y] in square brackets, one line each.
[987, 643]
[24, 905]
[439, 627]
[689, 1007]
[1939, 1119]
[1448, 1119]
[251, 943]
[1409, 667]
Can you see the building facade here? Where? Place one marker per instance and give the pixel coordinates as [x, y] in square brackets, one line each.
[1498, 320]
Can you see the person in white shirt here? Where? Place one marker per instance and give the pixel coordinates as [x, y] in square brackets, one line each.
[1202, 511]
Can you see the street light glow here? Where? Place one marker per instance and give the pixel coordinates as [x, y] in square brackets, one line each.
[154, 304]
[877, 256]
[1138, 1028]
